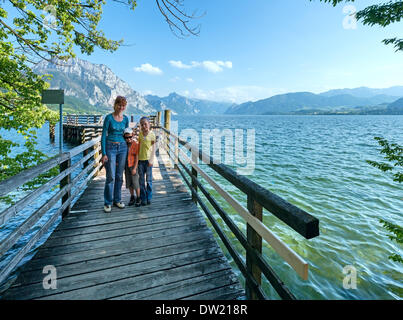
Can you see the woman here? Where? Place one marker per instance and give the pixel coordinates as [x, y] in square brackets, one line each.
[114, 153]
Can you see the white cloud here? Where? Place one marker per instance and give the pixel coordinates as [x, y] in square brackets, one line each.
[181, 65]
[190, 80]
[148, 68]
[211, 66]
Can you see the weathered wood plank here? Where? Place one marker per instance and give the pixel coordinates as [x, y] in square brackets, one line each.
[183, 288]
[126, 240]
[144, 281]
[164, 250]
[228, 292]
[86, 238]
[113, 249]
[135, 255]
[113, 280]
[83, 220]
[124, 225]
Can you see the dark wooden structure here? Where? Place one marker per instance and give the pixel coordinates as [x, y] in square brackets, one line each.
[79, 128]
[161, 251]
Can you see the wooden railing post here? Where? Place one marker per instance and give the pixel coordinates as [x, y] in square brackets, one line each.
[64, 182]
[176, 152]
[51, 133]
[255, 240]
[167, 125]
[158, 118]
[195, 157]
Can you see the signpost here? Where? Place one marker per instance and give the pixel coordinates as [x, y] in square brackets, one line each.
[56, 96]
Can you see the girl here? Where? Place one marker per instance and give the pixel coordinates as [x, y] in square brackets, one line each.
[114, 152]
[145, 160]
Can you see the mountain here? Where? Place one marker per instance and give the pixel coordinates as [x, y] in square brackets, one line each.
[307, 102]
[182, 105]
[396, 107]
[91, 88]
[364, 92]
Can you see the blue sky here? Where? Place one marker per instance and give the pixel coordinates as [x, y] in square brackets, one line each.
[249, 50]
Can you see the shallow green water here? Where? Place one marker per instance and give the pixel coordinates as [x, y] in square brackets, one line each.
[318, 164]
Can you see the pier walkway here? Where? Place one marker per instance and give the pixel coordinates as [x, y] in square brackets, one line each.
[166, 250]
[161, 251]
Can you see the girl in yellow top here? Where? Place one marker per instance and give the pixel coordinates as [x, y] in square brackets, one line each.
[145, 160]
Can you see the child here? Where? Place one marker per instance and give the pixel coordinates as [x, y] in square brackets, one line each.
[145, 160]
[132, 177]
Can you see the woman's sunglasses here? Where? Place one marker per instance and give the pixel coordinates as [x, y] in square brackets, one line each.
[128, 137]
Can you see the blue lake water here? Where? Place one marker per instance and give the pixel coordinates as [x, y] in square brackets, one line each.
[318, 164]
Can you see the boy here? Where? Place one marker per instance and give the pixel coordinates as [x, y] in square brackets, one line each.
[131, 174]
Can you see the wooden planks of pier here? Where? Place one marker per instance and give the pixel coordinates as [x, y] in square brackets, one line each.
[161, 251]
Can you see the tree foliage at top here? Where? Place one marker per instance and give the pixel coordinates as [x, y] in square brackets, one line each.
[381, 15]
[51, 30]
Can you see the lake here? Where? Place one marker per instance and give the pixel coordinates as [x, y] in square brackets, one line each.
[317, 163]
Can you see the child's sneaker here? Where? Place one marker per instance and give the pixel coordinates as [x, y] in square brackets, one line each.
[107, 208]
[132, 200]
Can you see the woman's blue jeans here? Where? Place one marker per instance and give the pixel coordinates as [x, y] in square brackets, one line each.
[145, 173]
[117, 155]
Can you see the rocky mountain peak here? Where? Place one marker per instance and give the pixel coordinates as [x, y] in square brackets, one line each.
[95, 83]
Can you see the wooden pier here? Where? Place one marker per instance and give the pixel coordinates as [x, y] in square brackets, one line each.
[161, 251]
[165, 250]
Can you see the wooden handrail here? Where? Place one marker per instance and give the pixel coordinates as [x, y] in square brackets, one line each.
[293, 259]
[90, 150]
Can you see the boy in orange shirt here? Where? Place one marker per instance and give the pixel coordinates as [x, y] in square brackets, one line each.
[132, 176]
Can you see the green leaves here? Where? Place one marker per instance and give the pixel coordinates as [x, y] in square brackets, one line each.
[396, 235]
[24, 41]
[394, 154]
[380, 14]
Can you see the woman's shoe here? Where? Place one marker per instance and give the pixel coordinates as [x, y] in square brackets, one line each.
[120, 205]
[138, 202]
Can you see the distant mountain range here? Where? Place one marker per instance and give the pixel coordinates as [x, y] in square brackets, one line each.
[182, 105]
[359, 101]
[92, 88]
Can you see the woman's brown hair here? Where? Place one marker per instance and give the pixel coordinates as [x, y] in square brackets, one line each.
[119, 100]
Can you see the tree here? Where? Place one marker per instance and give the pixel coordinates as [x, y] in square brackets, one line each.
[50, 30]
[379, 14]
[383, 15]
[394, 155]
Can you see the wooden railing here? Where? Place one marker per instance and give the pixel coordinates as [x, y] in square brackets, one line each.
[257, 199]
[82, 119]
[89, 163]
